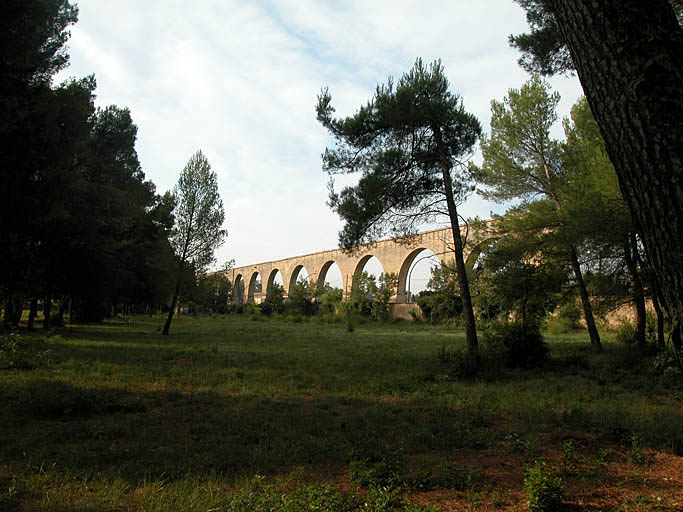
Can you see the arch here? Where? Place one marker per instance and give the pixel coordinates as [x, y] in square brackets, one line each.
[404, 274]
[324, 270]
[255, 288]
[272, 278]
[238, 290]
[293, 278]
[360, 267]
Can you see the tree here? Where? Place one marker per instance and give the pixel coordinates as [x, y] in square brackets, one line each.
[597, 209]
[408, 143]
[526, 267]
[628, 55]
[199, 219]
[521, 161]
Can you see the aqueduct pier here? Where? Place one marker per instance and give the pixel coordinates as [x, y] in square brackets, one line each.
[395, 255]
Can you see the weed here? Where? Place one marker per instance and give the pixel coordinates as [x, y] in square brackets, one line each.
[23, 353]
[569, 458]
[635, 454]
[378, 468]
[626, 333]
[544, 488]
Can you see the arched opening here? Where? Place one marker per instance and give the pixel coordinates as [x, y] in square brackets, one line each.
[255, 288]
[415, 274]
[330, 275]
[238, 290]
[368, 268]
[298, 274]
[275, 277]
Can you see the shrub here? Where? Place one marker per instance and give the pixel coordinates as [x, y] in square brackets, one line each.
[626, 333]
[522, 343]
[545, 489]
[463, 364]
[23, 354]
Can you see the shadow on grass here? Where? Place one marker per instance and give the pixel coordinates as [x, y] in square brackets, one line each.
[168, 435]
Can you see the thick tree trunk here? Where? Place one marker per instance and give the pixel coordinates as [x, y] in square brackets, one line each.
[174, 303]
[637, 293]
[32, 313]
[585, 301]
[661, 340]
[461, 268]
[47, 311]
[629, 57]
[62, 309]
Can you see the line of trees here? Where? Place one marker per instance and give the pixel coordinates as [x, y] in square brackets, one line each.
[81, 228]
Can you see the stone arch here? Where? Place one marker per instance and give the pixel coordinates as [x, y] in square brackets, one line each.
[404, 273]
[238, 290]
[360, 265]
[271, 279]
[322, 274]
[294, 276]
[255, 289]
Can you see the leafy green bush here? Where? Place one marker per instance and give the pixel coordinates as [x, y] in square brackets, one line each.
[566, 320]
[439, 307]
[523, 344]
[545, 489]
[484, 364]
[626, 333]
[23, 353]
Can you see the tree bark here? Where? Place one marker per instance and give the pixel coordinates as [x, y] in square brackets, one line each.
[661, 340]
[585, 301]
[461, 268]
[637, 293]
[32, 313]
[174, 302]
[47, 311]
[629, 57]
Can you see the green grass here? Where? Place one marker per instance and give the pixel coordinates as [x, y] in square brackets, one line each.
[231, 413]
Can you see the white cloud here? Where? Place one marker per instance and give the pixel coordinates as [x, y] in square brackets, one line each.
[239, 80]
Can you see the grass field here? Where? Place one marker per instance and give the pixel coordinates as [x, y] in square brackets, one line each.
[239, 413]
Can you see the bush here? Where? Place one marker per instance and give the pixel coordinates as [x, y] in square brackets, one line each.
[522, 344]
[626, 333]
[22, 353]
[485, 364]
[439, 307]
[566, 320]
[545, 489]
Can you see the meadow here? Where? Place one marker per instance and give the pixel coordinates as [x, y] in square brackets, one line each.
[243, 413]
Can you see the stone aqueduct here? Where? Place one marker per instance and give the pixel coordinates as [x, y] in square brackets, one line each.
[395, 255]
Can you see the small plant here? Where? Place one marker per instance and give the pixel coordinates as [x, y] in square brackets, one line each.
[545, 489]
[375, 468]
[626, 333]
[569, 458]
[635, 455]
[22, 353]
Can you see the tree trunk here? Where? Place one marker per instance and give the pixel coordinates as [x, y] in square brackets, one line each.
[461, 268]
[32, 313]
[174, 303]
[47, 311]
[585, 301]
[661, 340]
[629, 57]
[637, 293]
[62, 309]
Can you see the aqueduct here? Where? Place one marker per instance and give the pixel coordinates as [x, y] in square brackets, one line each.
[395, 255]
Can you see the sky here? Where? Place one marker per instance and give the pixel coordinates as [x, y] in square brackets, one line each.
[239, 80]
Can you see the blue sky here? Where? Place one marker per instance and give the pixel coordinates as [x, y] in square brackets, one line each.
[239, 80]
